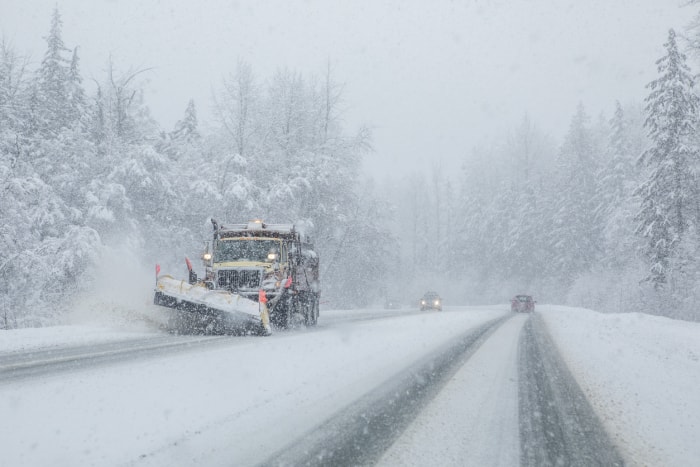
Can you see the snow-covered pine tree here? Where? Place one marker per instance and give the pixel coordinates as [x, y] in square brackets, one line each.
[186, 129]
[77, 104]
[618, 178]
[669, 195]
[480, 222]
[620, 166]
[575, 235]
[12, 87]
[57, 108]
[528, 150]
[54, 81]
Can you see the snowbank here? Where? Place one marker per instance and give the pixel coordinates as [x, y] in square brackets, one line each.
[641, 374]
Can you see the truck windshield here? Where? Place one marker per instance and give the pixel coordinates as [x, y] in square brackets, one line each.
[245, 250]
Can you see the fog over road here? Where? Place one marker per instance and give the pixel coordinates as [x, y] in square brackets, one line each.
[466, 386]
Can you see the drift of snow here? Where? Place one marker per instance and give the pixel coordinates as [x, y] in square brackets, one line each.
[641, 373]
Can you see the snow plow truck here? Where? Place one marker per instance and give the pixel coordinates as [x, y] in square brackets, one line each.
[257, 276]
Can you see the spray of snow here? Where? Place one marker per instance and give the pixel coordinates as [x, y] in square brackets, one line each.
[122, 294]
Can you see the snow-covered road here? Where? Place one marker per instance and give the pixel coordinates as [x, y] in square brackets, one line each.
[448, 385]
[474, 419]
[225, 405]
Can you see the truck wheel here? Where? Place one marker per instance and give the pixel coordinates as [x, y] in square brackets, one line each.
[281, 316]
[311, 314]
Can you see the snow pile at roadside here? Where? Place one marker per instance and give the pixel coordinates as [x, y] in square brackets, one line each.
[641, 374]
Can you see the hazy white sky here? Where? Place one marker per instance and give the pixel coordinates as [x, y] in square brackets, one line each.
[433, 78]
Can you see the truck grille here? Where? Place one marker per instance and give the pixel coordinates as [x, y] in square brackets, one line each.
[237, 279]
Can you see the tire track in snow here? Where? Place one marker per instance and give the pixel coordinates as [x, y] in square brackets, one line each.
[363, 431]
[557, 423]
[39, 363]
[15, 366]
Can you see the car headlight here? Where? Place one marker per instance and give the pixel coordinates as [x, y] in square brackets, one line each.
[437, 302]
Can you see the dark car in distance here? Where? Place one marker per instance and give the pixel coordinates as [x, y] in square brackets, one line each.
[431, 301]
[522, 304]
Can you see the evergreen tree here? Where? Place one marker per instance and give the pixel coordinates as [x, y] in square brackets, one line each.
[620, 167]
[480, 222]
[77, 104]
[669, 195]
[525, 255]
[617, 180]
[13, 88]
[186, 130]
[54, 81]
[576, 232]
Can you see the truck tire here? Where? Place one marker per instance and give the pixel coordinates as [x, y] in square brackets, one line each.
[308, 314]
[309, 304]
[281, 316]
[313, 312]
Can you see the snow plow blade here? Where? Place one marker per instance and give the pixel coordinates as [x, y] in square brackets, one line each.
[199, 310]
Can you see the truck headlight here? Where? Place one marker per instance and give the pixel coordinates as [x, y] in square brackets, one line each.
[270, 282]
